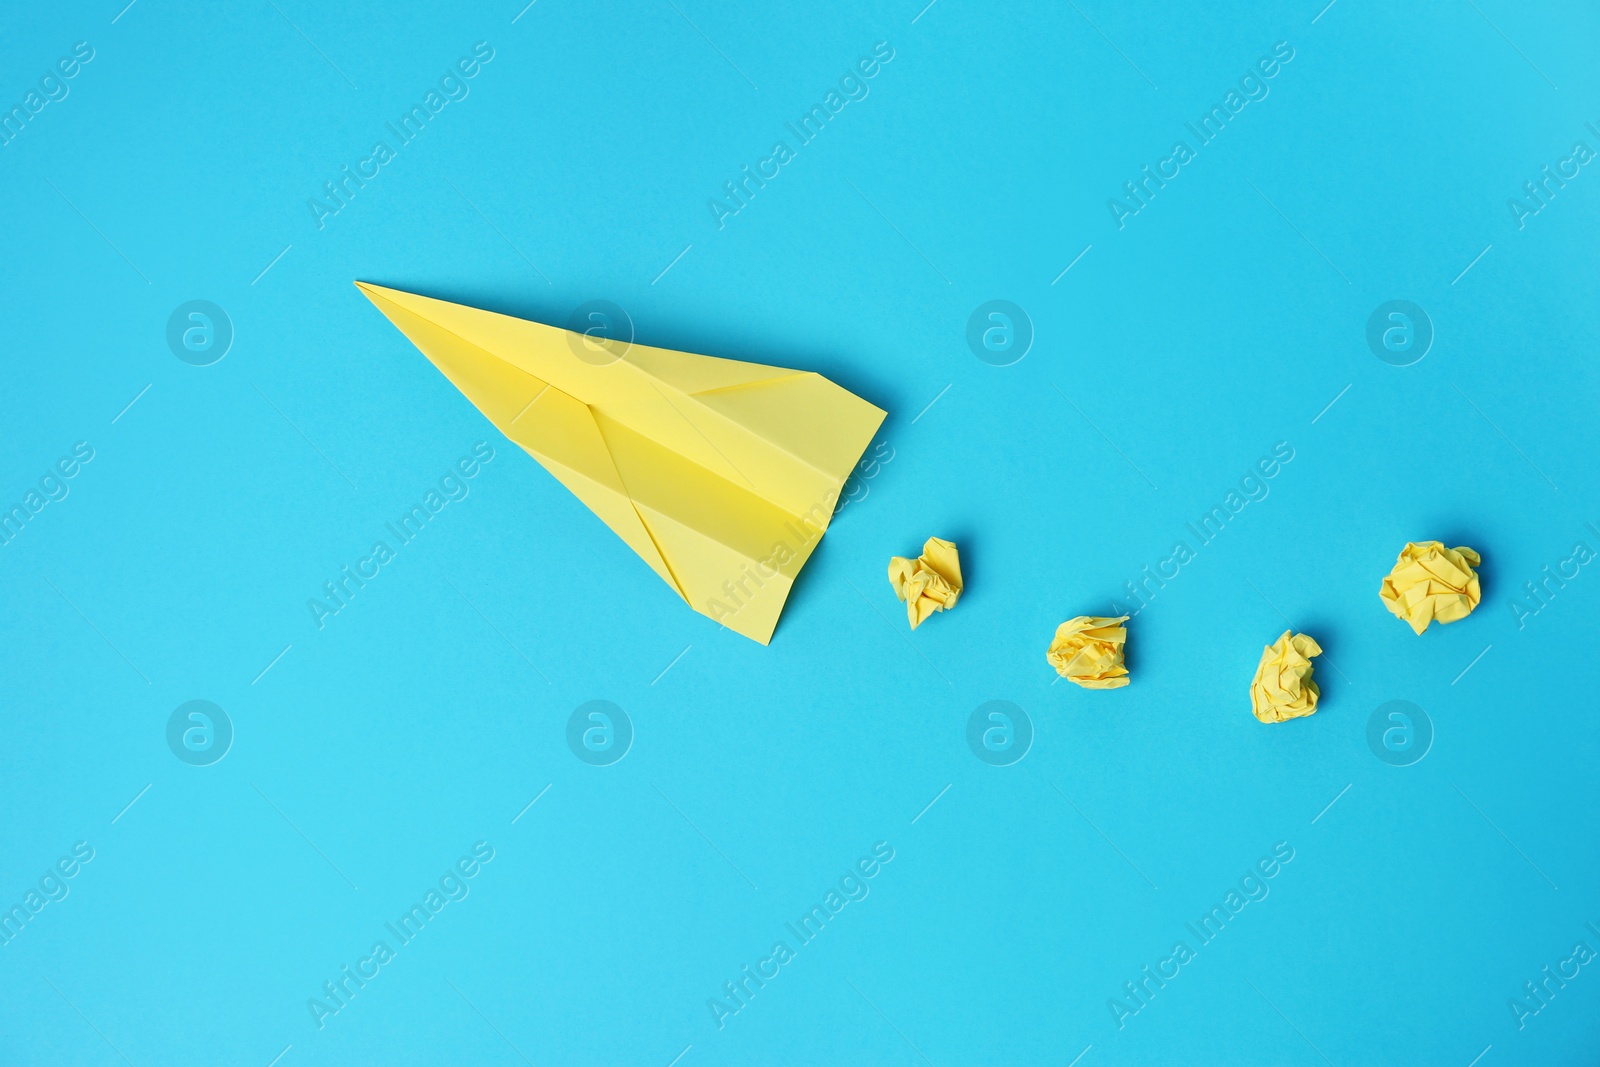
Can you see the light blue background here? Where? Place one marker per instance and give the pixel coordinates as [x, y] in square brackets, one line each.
[1221, 320]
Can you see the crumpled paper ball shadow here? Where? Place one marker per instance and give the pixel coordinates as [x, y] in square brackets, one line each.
[929, 583]
[1087, 651]
[1432, 583]
[1282, 688]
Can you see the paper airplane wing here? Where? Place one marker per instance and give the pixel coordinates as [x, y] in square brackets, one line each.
[721, 475]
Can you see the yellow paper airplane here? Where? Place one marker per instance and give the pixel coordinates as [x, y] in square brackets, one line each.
[721, 475]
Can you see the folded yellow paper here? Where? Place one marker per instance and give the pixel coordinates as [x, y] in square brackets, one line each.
[721, 475]
[1087, 650]
[1283, 688]
[1432, 583]
[929, 583]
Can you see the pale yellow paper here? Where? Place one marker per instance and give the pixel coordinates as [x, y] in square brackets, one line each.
[1087, 650]
[1432, 583]
[1283, 688]
[721, 475]
[929, 583]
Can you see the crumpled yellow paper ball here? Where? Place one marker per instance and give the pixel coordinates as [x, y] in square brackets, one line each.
[929, 583]
[1087, 650]
[1283, 688]
[1432, 583]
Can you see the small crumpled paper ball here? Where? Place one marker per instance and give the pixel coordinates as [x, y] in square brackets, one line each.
[929, 583]
[1283, 688]
[1087, 650]
[1432, 583]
